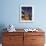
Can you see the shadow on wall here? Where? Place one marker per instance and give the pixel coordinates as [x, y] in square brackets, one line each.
[2, 26]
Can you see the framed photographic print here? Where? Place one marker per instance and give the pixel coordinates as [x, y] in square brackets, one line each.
[26, 13]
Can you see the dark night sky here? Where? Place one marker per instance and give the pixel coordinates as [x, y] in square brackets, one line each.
[27, 9]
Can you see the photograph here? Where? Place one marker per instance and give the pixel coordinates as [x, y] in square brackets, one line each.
[26, 13]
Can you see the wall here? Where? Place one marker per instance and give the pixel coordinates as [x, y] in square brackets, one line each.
[9, 13]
